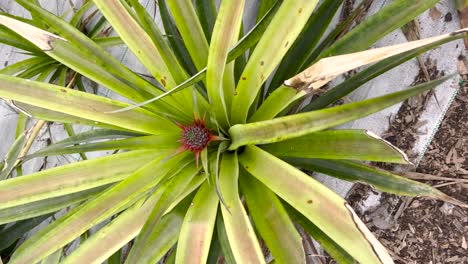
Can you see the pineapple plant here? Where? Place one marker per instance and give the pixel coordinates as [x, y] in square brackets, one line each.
[209, 149]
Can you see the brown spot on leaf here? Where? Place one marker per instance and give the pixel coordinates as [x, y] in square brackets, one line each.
[299, 11]
[310, 201]
[63, 90]
[262, 63]
[163, 82]
[244, 78]
[286, 44]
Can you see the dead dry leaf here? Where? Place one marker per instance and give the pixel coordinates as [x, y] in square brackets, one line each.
[327, 69]
[39, 37]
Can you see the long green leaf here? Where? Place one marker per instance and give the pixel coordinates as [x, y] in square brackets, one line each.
[225, 35]
[157, 142]
[124, 228]
[90, 136]
[71, 178]
[239, 49]
[298, 125]
[12, 156]
[327, 210]
[224, 241]
[206, 11]
[339, 144]
[142, 251]
[46, 206]
[167, 54]
[23, 65]
[148, 45]
[79, 17]
[72, 34]
[197, 229]
[277, 102]
[331, 247]
[191, 30]
[81, 104]
[10, 234]
[86, 56]
[273, 45]
[107, 42]
[76, 222]
[242, 238]
[264, 6]
[79, 59]
[389, 18]
[357, 172]
[272, 221]
[340, 29]
[53, 258]
[311, 34]
[136, 39]
[174, 38]
[54, 116]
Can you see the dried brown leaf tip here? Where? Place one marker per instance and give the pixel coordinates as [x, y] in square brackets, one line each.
[42, 39]
[329, 68]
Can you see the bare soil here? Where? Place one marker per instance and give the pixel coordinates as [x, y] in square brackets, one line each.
[421, 230]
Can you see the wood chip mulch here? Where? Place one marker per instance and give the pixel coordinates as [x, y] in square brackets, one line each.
[422, 230]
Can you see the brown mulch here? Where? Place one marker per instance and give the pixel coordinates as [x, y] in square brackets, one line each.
[422, 230]
[404, 127]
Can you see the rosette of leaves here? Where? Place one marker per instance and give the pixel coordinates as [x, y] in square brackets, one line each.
[206, 167]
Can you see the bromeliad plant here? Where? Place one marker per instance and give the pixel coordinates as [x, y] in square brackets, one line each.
[208, 165]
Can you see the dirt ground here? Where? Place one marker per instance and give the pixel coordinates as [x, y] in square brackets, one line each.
[421, 230]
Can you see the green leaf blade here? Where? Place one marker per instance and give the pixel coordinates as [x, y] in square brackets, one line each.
[297, 125]
[143, 250]
[191, 30]
[357, 172]
[339, 144]
[242, 239]
[307, 40]
[331, 247]
[71, 178]
[226, 31]
[81, 104]
[271, 48]
[272, 221]
[393, 16]
[77, 221]
[319, 204]
[198, 226]
[136, 39]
